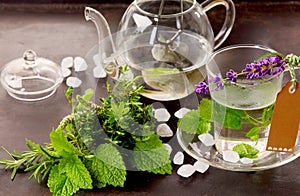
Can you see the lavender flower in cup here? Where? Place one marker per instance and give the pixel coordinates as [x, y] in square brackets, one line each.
[218, 81]
[202, 88]
[267, 66]
[232, 75]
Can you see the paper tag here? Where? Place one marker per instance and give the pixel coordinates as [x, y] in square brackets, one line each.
[285, 121]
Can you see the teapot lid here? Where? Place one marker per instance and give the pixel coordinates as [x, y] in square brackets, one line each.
[31, 78]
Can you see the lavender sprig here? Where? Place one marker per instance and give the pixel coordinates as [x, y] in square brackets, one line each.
[270, 65]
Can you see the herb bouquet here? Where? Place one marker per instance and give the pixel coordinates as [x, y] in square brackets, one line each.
[95, 145]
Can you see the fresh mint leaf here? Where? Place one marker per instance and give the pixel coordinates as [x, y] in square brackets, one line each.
[69, 176]
[88, 94]
[107, 167]
[205, 109]
[61, 143]
[120, 110]
[267, 113]
[192, 123]
[59, 184]
[111, 167]
[228, 117]
[152, 156]
[253, 134]
[160, 71]
[245, 150]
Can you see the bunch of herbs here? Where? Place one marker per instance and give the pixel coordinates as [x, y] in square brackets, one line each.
[85, 150]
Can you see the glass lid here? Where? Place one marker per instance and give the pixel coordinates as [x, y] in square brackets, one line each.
[31, 78]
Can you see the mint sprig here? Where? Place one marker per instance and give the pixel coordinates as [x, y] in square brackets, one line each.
[84, 149]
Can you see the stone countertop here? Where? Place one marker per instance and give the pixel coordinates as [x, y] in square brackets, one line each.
[55, 32]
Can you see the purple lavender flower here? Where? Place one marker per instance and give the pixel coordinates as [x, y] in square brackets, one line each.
[278, 70]
[215, 79]
[275, 60]
[278, 65]
[271, 65]
[202, 88]
[250, 69]
[218, 81]
[219, 86]
[264, 67]
[231, 75]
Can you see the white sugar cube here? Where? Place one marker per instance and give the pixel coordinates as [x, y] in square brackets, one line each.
[186, 170]
[142, 22]
[73, 82]
[207, 139]
[181, 112]
[65, 72]
[164, 130]
[231, 156]
[161, 115]
[80, 64]
[178, 158]
[201, 166]
[246, 161]
[168, 148]
[67, 62]
[99, 72]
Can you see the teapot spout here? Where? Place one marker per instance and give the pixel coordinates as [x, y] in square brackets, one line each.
[101, 24]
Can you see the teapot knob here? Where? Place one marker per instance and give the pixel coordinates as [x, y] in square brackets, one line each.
[29, 57]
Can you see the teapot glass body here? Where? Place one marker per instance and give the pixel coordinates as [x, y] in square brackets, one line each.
[167, 42]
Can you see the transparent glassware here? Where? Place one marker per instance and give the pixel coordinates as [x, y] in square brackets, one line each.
[167, 42]
[245, 99]
[251, 97]
[31, 78]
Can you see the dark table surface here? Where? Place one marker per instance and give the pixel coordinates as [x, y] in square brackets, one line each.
[56, 31]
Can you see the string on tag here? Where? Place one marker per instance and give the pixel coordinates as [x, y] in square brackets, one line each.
[293, 61]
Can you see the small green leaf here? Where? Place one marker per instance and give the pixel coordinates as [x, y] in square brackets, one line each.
[205, 109]
[192, 123]
[59, 183]
[120, 110]
[107, 167]
[245, 150]
[160, 71]
[152, 156]
[267, 113]
[253, 134]
[228, 117]
[69, 176]
[60, 142]
[109, 154]
[270, 54]
[88, 94]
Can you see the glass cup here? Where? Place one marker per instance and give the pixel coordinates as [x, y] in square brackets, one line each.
[242, 110]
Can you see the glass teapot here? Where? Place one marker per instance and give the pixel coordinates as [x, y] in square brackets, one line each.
[167, 42]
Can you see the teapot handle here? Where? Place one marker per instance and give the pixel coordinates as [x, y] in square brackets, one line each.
[229, 19]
